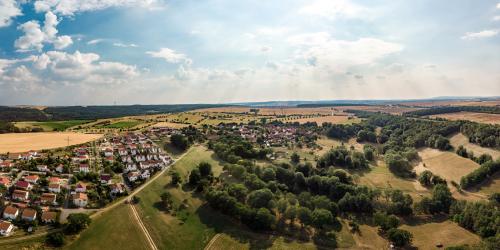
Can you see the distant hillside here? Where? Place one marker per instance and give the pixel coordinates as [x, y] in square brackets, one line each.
[92, 112]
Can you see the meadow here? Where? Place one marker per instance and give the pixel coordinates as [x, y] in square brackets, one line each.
[51, 125]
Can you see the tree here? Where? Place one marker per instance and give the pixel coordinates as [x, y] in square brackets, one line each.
[194, 177]
[55, 239]
[425, 178]
[179, 141]
[305, 216]
[295, 158]
[399, 237]
[77, 222]
[176, 178]
[260, 198]
[268, 174]
[238, 191]
[368, 152]
[166, 200]
[385, 222]
[322, 217]
[205, 169]
[264, 219]
[442, 198]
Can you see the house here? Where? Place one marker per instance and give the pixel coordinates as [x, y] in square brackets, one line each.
[140, 158]
[108, 152]
[133, 176]
[49, 217]
[10, 213]
[6, 165]
[29, 214]
[60, 168]
[6, 228]
[122, 152]
[54, 188]
[55, 180]
[4, 181]
[48, 199]
[20, 195]
[42, 168]
[80, 199]
[117, 188]
[130, 167]
[24, 185]
[81, 187]
[85, 168]
[110, 158]
[33, 179]
[105, 179]
[145, 175]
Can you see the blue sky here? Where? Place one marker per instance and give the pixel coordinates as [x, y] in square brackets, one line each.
[72, 52]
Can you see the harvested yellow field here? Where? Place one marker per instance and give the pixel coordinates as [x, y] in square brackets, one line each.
[271, 110]
[321, 119]
[461, 139]
[453, 103]
[22, 142]
[170, 125]
[447, 233]
[445, 164]
[471, 116]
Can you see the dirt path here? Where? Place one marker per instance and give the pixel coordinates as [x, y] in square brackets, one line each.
[209, 245]
[143, 228]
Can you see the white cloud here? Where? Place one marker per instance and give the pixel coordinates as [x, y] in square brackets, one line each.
[170, 56]
[496, 18]
[70, 7]
[125, 45]
[83, 68]
[266, 49]
[34, 36]
[319, 49]
[480, 34]
[8, 10]
[498, 6]
[332, 9]
[95, 41]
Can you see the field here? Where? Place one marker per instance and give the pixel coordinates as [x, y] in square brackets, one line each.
[428, 235]
[452, 103]
[51, 126]
[331, 119]
[23, 142]
[116, 229]
[123, 124]
[170, 125]
[460, 139]
[471, 116]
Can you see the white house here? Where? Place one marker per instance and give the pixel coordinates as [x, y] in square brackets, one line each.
[133, 176]
[80, 199]
[130, 167]
[81, 187]
[10, 213]
[6, 228]
[55, 188]
[145, 175]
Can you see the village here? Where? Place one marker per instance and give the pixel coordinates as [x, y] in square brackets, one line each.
[42, 188]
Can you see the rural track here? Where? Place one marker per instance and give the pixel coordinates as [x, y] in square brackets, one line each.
[209, 245]
[143, 228]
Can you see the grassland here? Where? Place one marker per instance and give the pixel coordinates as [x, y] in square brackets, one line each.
[116, 229]
[460, 139]
[23, 142]
[52, 125]
[471, 116]
[428, 235]
[123, 124]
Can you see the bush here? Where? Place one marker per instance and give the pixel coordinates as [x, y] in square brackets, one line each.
[55, 239]
[399, 237]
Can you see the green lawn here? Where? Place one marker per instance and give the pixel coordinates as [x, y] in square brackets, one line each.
[115, 229]
[52, 125]
[123, 124]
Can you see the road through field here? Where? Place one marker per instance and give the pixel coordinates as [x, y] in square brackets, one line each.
[143, 228]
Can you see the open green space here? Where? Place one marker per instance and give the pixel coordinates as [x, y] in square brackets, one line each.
[115, 229]
[51, 125]
[123, 124]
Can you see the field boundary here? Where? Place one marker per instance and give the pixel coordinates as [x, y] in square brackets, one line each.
[151, 242]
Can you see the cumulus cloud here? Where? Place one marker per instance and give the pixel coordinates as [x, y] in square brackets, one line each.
[9, 9]
[319, 49]
[70, 7]
[83, 68]
[480, 34]
[35, 36]
[170, 56]
[332, 9]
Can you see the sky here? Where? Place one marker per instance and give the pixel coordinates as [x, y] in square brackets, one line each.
[104, 52]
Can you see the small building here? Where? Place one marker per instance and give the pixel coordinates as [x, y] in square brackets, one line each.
[49, 217]
[10, 213]
[42, 168]
[24, 185]
[133, 176]
[54, 188]
[4, 181]
[117, 188]
[6, 228]
[55, 180]
[20, 195]
[48, 199]
[80, 199]
[29, 214]
[105, 179]
[33, 179]
[81, 187]
[84, 168]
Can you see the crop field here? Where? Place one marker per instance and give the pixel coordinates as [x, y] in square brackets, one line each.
[471, 116]
[112, 230]
[336, 119]
[123, 124]
[452, 103]
[447, 233]
[170, 125]
[51, 126]
[23, 142]
[460, 139]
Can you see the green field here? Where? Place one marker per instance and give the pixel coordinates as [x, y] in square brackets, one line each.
[52, 125]
[115, 229]
[123, 124]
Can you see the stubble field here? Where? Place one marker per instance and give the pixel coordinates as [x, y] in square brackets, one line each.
[23, 142]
